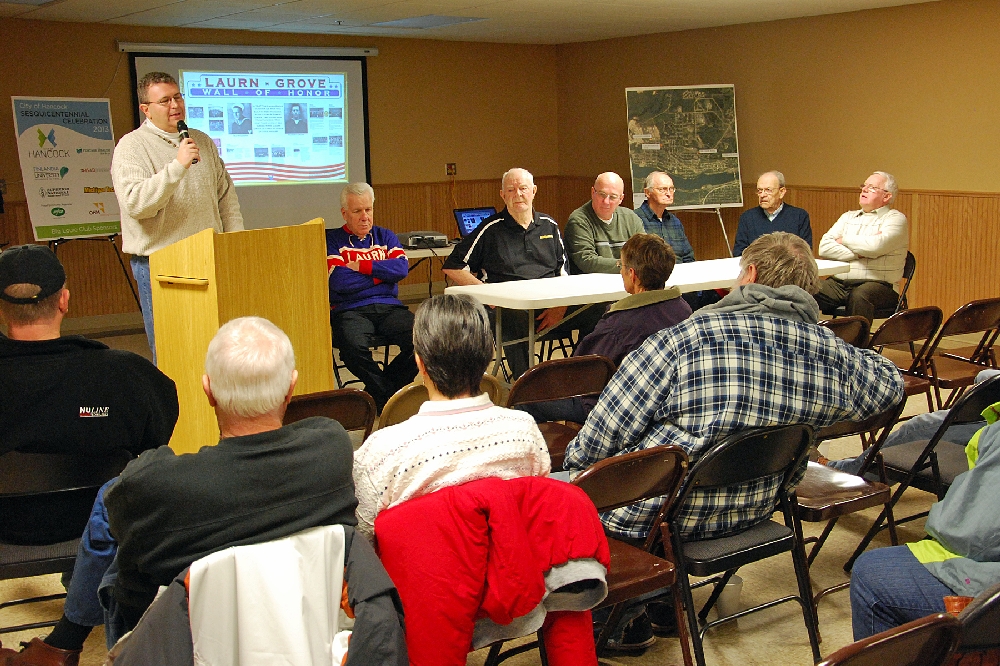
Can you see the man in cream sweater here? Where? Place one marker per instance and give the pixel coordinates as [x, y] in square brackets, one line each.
[167, 188]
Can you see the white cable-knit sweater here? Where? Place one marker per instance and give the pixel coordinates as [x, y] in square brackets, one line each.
[445, 444]
[162, 202]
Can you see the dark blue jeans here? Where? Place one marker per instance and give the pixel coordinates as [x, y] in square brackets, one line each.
[890, 587]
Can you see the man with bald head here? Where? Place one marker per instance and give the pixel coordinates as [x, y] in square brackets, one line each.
[597, 230]
[518, 243]
[773, 214]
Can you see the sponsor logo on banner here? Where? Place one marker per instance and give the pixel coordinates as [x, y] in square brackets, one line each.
[99, 151]
[98, 190]
[57, 211]
[53, 192]
[95, 170]
[51, 138]
[98, 208]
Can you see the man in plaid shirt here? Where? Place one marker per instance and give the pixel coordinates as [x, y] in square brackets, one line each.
[756, 358]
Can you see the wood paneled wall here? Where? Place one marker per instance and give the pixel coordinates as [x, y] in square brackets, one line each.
[952, 234]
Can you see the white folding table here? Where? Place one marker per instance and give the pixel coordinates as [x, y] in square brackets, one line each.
[428, 254]
[532, 295]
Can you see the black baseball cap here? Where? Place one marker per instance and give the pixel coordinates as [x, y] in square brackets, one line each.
[30, 264]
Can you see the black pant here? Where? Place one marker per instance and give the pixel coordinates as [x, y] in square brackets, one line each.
[354, 333]
[861, 297]
[515, 326]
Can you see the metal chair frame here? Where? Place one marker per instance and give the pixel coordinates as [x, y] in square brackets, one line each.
[967, 409]
[852, 330]
[928, 641]
[741, 457]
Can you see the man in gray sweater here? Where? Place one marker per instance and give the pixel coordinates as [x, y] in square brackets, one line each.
[168, 188]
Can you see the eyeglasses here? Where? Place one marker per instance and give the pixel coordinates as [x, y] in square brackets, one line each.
[664, 190]
[609, 197]
[178, 98]
[767, 190]
[871, 188]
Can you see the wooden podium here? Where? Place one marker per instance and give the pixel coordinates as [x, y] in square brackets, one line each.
[207, 279]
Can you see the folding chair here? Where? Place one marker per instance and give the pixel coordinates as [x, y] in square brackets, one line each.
[753, 454]
[559, 379]
[980, 620]
[928, 641]
[909, 268]
[954, 372]
[50, 495]
[908, 327]
[406, 402]
[932, 465]
[825, 494]
[635, 572]
[353, 409]
[852, 330]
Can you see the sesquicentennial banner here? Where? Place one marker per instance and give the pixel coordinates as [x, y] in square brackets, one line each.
[65, 147]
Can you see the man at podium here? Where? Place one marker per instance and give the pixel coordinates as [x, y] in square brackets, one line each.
[366, 263]
[168, 187]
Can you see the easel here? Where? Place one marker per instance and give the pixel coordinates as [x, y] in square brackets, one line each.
[54, 246]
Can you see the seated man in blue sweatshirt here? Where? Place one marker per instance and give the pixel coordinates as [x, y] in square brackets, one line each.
[366, 263]
[773, 214]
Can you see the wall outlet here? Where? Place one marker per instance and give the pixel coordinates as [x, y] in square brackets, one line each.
[451, 168]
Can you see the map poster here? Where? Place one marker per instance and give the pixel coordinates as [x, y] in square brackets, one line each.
[690, 134]
[65, 146]
[272, 128]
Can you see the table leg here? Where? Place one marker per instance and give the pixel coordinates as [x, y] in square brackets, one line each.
[531, 338]
[499, 343]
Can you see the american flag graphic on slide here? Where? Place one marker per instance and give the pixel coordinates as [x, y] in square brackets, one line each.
[268, 172]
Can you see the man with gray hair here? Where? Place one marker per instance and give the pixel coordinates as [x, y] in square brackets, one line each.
[458, 435]
[755, 358]
[773, 214]
[874, 240]
[518, 243]
[366, 263]
[261, 482]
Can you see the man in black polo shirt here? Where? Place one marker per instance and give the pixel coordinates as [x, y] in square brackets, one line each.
[518, 243]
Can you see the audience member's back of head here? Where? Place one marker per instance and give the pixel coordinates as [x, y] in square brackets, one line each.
[651, 257]
[31, 283]
[782, 259]
[452, 337]
[250, 365]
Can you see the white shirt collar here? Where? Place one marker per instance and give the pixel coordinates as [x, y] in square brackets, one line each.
[777, 210]
[175, 136]
[442, 407]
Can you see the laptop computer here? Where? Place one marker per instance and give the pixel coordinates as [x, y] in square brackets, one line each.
[469, 219]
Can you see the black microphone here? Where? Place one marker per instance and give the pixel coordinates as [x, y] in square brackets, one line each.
[182, 129]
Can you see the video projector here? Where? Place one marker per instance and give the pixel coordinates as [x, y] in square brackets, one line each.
[413, 240]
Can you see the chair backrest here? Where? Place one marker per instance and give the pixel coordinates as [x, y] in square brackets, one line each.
[632, 477]
[353, 409]
[51, 494]
[561, 378]
[406, 402]
[909, 268]
[981, 621]
[975, 317]
[747, 455]
[970, 406]
[852, 330]
[880, 425]
[403, 404]
[908, 326]
[924, 642]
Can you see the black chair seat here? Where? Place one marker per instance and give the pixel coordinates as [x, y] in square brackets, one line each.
[27, 561]
[710, 556]
[951, 457]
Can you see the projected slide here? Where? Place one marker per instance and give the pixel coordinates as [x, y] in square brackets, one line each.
[272, 128]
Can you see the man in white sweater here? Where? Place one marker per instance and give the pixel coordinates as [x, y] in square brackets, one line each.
[874, 240]
[458, 435]
[167, 188]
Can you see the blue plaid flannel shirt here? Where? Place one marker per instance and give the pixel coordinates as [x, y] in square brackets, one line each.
[670, 230]
[715, 374]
